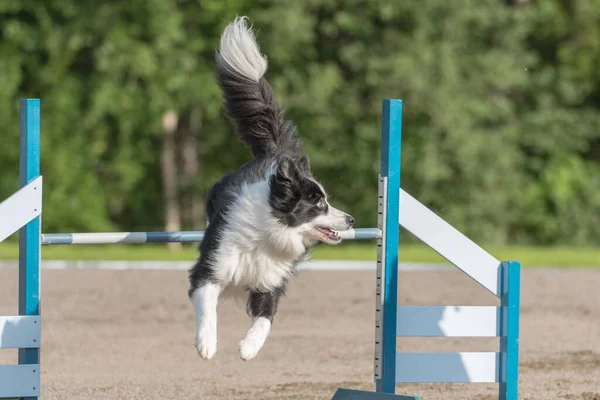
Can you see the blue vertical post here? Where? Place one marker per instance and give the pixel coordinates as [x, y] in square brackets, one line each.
[29, 235]
[391, 133]
[509, 342]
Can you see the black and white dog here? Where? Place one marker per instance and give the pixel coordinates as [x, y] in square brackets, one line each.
[264, 217]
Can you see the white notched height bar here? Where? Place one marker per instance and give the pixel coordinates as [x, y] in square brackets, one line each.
[19, 380]
[20, 208]
[447, 367]
[380, 277]
[20, 332]
[449, 242]
[448, 321]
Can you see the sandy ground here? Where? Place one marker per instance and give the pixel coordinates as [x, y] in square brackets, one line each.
[129, 335]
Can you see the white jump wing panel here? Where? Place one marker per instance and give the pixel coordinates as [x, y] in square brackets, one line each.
[449, 242]
[448, 321]
[447, 367]
[20, 208]
[19, 380]
[20, 332]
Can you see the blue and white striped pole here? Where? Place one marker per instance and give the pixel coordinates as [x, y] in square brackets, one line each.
[166, 237]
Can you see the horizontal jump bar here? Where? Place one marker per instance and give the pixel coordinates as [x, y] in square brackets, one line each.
[166, 237]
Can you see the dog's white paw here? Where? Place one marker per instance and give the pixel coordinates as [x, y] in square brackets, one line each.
[205, 300]
[249, 349]
[207, 347]
[255, 338]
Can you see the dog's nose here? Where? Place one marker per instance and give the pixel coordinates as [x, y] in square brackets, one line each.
[350, 220]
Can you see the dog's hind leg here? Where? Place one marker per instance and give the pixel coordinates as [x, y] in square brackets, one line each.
[262, 307]
[205, 298]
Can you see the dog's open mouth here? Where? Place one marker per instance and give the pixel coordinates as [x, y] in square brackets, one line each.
[329, 234]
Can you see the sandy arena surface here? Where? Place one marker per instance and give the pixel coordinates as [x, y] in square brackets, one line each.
[129, 335]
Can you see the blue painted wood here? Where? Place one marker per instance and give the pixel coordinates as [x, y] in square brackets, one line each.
[29, 235]
[509, 343]
[391, 138]
[350, 394]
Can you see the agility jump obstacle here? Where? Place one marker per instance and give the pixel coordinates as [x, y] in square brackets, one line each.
[22, 211]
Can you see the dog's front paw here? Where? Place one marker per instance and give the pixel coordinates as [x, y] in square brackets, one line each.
[207, 347]
[249, 349]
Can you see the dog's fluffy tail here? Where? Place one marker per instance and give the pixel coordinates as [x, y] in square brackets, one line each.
[249, 99]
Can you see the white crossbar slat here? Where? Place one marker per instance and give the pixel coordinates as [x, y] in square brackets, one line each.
[447, 367]
[20, 332]
[448, 321]
[19, 380]
[449, 242]
[20, 208]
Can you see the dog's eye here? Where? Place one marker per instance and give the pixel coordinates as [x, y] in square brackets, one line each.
[321, 204]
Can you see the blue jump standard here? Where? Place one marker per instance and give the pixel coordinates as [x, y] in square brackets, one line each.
[29, 235]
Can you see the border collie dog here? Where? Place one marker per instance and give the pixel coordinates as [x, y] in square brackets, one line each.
[264, 217]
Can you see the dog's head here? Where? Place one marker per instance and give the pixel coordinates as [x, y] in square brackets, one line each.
[300, 202]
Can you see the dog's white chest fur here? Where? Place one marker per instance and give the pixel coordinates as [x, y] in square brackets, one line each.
[255, 251]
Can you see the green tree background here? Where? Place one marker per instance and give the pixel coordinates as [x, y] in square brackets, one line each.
[501, 131]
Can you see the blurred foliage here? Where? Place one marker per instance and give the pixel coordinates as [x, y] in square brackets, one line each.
[501, 132]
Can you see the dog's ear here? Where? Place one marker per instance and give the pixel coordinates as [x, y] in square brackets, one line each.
[304, 164]
[284, 184]
[286, 170]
